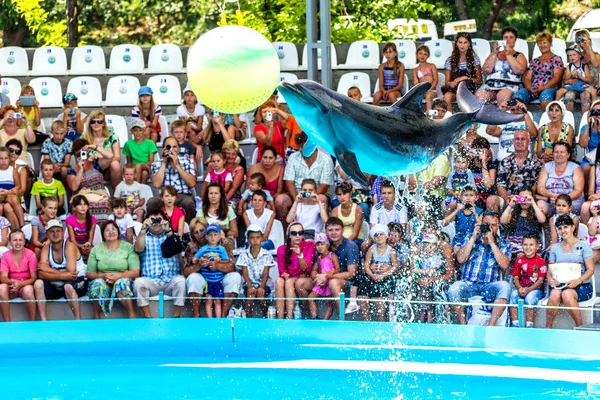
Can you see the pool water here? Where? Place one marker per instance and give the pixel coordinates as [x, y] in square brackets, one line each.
[266, 359]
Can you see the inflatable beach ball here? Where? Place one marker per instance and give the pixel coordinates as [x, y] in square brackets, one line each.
[233, 69]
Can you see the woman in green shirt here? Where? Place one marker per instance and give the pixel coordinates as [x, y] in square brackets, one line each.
[112, 266]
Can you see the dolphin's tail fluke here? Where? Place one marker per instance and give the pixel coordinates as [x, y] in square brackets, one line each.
[485, 113]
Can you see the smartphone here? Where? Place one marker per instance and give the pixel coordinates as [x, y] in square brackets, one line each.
[83, 155]
[501, 45]
[269, 116]
[18, 115]
[521, 199]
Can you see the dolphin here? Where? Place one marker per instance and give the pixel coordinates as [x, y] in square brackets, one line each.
[387, 141]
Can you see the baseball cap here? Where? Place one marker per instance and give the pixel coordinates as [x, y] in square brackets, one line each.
[145, 90]
[377, 229]
[137, 123]
[69, 97]
[54, 223]
[213, 228]
[252, 228]
[575, 47]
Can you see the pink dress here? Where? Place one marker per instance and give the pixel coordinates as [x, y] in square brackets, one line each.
[326, 266]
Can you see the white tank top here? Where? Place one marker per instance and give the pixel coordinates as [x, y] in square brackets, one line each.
[262, 221]
[80, 267]
[310, 217]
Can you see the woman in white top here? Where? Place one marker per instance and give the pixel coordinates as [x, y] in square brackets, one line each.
[192, 113]
[308, 210]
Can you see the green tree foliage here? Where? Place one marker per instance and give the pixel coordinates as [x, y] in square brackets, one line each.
[47, 30]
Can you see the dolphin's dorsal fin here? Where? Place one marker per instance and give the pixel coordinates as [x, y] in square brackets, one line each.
[412, 99]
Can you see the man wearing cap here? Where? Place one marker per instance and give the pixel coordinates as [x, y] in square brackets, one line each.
[140, 151]
[307, 163]
[158, 274]
[72, 117]
[178, 172]
[484, 257]
[61, 271]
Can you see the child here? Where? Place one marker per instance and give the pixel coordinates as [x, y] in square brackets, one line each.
[38, 224]
[256, 182]
[49, 187]
[218, 173]
[326, 264]
[72, 117]
[426, 72]
[528, 271]
[522, 217]
[140, 151]
[255, 263]
[148, 112]
[466, 215]
[308, 210]
[460, 176]
[176, 215]
[32, 113]
[381, 264]
[439, 109]
[81, 225]
[192, 114]
[355, 93]
[123, 220]
[594, 229]
[563, 206]
[209, 255]
[58, 150]
[391, 77]
[577, 78]
[129, 190]
[429, 263]
[462, 66]
[261, 216]
[186, 149]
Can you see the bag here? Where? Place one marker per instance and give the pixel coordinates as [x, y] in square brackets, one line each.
[172, 246]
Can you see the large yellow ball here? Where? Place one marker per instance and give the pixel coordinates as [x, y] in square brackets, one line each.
[233, 69]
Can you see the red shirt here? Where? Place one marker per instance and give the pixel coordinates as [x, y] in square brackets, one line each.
[277, 141]
[178, 213]
[529, 270]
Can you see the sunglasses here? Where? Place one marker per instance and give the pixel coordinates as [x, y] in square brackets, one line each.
[96, 122]
[198, 232]
[297, 233]
[15, 151]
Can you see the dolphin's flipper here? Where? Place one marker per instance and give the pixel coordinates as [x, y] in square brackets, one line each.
[485, 113]
[467, 102]
[412, 99]
[349, 164]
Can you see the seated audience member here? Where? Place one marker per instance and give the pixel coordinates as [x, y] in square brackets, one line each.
[528, 272]
[149, 112]
[235, 163]
[260, 216]
[104, 147]
[174, 214]
[391, 76]
[49, 187]
[217, 131]
[17, 277]
[294, 261]
[195, 282]
[560, 176]
[544, 76]
[432, 183]
[349, 213]
[464, 216]
[157, 273]
[124, 221]
[326, 264]
[591, 58]
[460, 176]
[255, 264]
[272, 171]
[72, 117]
[462, 66]
[576, 81]
[563, 205]
[129, 190]
[191, 112]
[307, 163]
[522, 217]
[426, 72]
[439, 109]
[571, 293]
[186, 148]
[504, 69]
[215, 210]
[26, 174]
[309, 210]
[140, 152]
[217, 173]
[15, 128]
[506, 133]
[555, 130]
[61, 271]
[10, 204]
[519, 170]
[81, 225]
[590, 169]
[58, 150]
[484, 256]
[386, 211]
[271, 130]
[39, 234]
[485, 170]
[32, 113]
[255, 182]
[178, 172]
[86, 180]
[360, 194]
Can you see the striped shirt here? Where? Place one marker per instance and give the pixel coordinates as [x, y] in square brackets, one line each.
[207, 252]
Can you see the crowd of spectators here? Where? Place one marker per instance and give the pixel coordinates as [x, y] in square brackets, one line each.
[385, 242]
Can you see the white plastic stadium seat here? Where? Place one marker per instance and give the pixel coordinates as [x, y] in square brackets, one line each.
[165, 58]
[117, 124]
[362, 54]
[14, 61]
[358, 79]
[48, 92]
[88, 60]
[164, 129]
[568, 117]
[522, 47]
[304, 65]
[166, 88]
[407, 53]
[559, 47]
[404, 85]
[582, 123]
[27, 231]
[277, 235]
[126, 59]
[122, 91]
[289, 78]
[482, 48]
[97, 236]
[49, 60]
[11, 87]
[288, 56]
[582, 231]
[87, 89]
[439, 50]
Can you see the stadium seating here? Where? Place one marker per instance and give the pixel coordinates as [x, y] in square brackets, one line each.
[288, 56]
[559, 47]
[363, 54]
[117, 124]
[407, 53]
[166, 88]
[14, 61]
[522, 47]
[126, 59]
[88, 60]
[11, 87]
[122, 91]
[48, 92]
[304, 65]
[49, 61]
[358, 79]
[440, 50]
[164, 59]
[289, 78]
[87, 89]
[482, 48]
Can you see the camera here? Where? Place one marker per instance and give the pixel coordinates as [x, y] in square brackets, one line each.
[485, 228]
[595, 113]
[156, 220]
[72, 111]
[512, 103]
[432, 113]
[521, 199]
[83, 155]
[468, 206]
[269, 116]
[306, 195]
[579, 40]
[18, 115]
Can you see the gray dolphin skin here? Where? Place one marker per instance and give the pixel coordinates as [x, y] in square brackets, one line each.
[385, 141]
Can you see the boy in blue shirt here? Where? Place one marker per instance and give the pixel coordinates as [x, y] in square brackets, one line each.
[207, 256]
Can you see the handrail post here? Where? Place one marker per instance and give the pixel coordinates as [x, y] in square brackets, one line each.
[342, 305]
[521, 313]
[161, 304]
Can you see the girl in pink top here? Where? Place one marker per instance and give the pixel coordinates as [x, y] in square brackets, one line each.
[327, 263]
[176, 215]
[294, 260]
[81, 225]
[217, 173]
[18, 272]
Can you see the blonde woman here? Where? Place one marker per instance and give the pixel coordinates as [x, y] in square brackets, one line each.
[104, 148]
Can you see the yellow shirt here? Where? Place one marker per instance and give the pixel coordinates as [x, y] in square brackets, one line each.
[439, 167]
[30, 116]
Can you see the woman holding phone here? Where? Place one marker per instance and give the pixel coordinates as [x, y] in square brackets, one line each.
[271, 132]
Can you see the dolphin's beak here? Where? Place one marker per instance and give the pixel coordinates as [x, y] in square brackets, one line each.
[302, 92]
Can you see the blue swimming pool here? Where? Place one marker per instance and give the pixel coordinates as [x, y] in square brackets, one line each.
[266, 359]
